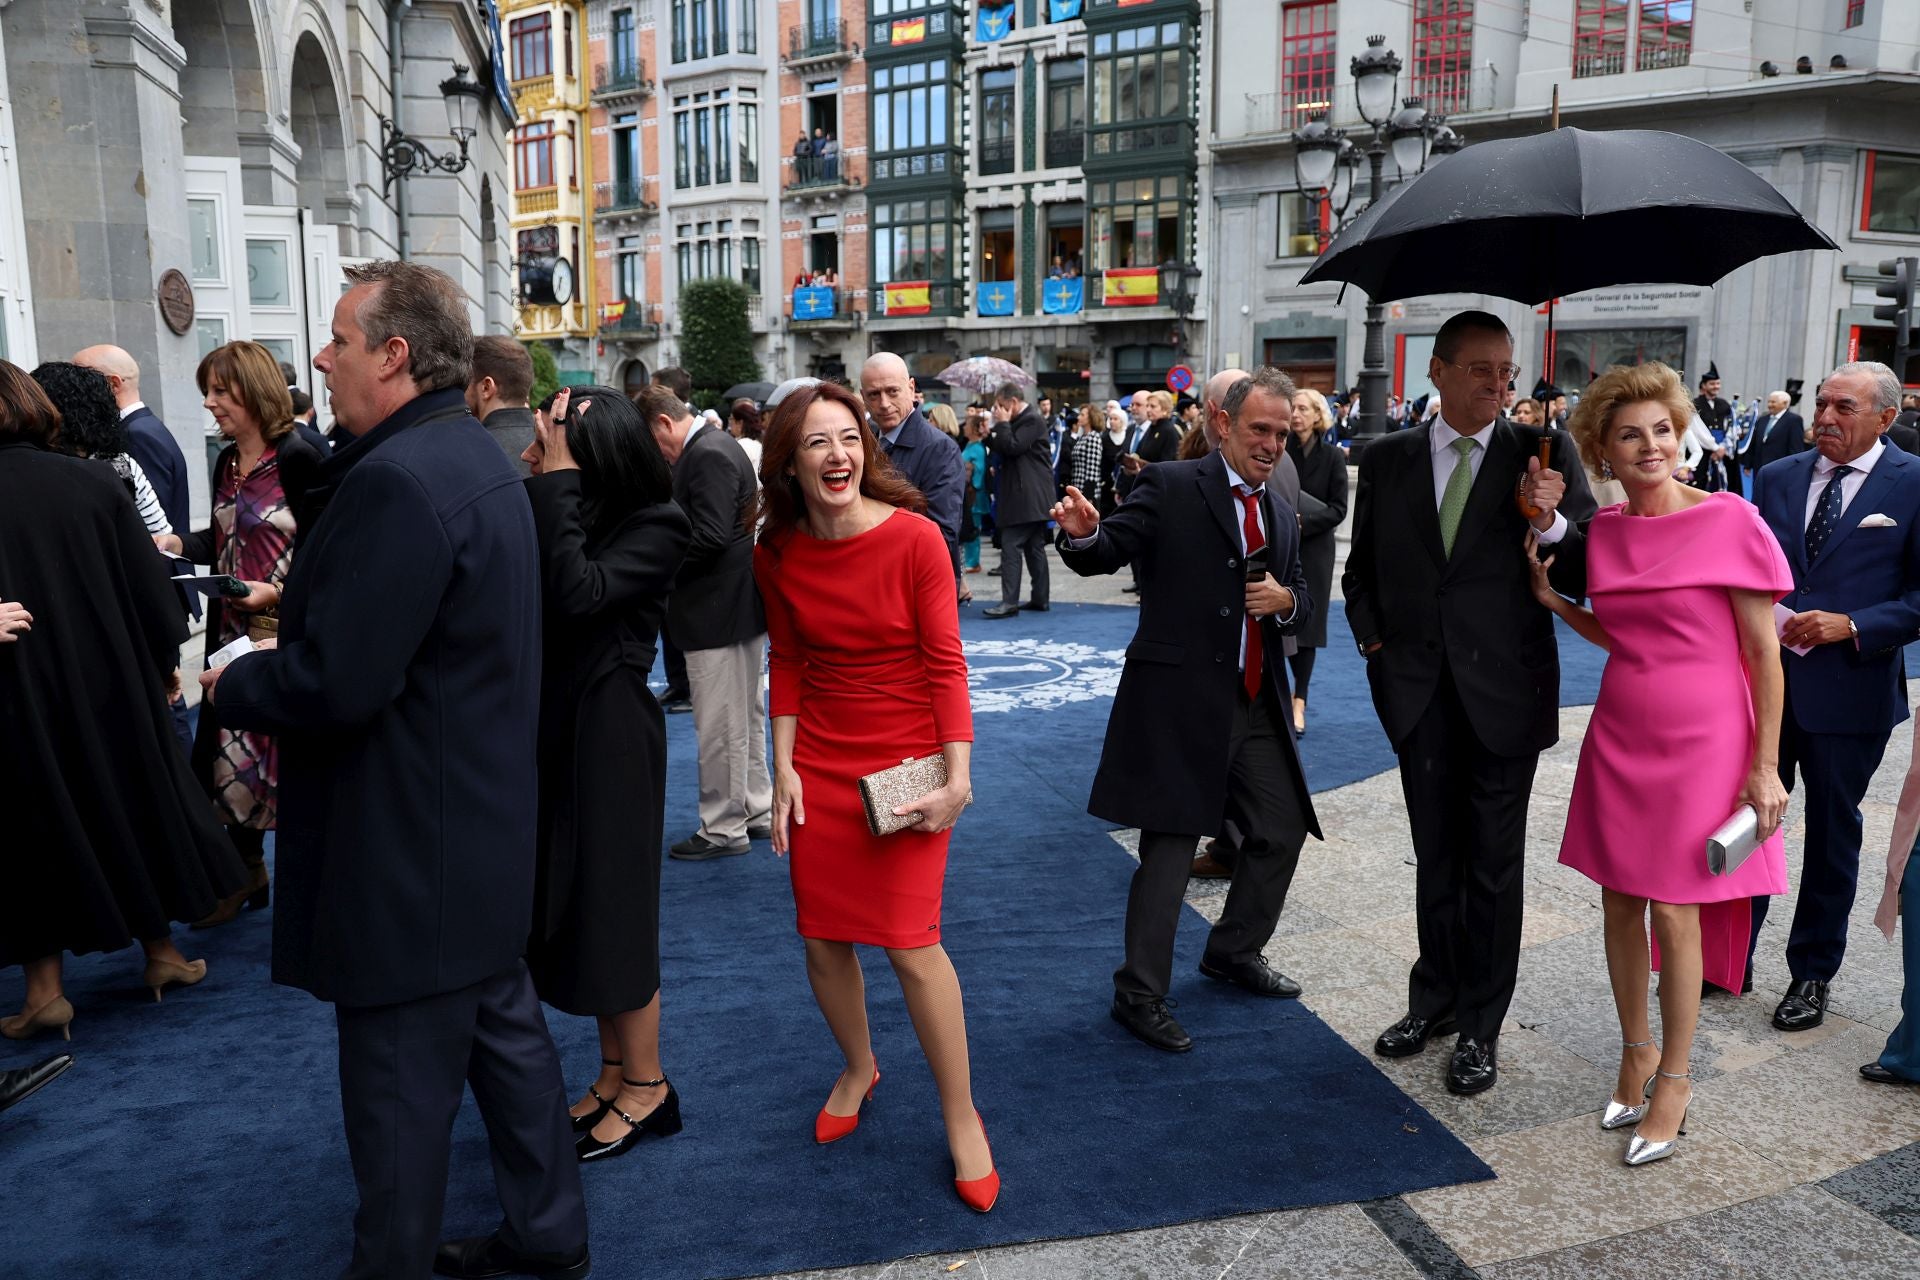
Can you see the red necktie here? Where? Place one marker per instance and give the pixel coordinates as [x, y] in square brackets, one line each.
[1255, 541]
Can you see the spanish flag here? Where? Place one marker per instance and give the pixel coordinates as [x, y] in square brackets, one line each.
[1131, 287]
[612, 312]
[909, 298]
[908, 31]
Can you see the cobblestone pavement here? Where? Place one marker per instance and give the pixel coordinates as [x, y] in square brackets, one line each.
[1792, 1165]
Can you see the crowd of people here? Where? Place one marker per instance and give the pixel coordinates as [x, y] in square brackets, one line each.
[429, 640]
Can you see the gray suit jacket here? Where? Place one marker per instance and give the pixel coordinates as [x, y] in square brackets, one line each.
[512, 430]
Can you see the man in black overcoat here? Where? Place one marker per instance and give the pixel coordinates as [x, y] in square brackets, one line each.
[920, 451]
[1019, 443]
[1200, 730]
[405, 693]
[1464, 670]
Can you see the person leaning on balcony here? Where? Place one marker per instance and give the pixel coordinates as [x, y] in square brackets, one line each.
[802, 158]
[830, 158]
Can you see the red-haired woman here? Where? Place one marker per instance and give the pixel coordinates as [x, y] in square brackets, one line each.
[867, 671]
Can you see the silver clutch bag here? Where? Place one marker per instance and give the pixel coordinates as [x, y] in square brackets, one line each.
[1733, 842]
[882, 792]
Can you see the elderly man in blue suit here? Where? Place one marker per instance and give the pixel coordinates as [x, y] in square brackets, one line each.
[1847, 514]
[920, 451]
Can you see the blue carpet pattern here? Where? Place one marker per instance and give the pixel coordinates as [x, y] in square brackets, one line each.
[201, 1137]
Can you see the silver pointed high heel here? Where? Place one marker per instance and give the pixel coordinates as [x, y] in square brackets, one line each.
[1619, 1115]
[1640, 1151]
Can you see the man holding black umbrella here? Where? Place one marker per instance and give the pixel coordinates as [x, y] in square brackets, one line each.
[1465, 672]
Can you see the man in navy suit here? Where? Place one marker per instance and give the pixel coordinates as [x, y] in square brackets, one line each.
[920, 451]
[1778, 433]
[1205, 687]
[158, 454]
[1847, 514]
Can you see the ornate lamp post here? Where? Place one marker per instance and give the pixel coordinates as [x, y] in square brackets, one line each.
[402, 154]
[1179, 286]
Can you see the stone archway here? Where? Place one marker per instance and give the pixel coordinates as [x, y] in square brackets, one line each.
[326, 188]
[225, 102]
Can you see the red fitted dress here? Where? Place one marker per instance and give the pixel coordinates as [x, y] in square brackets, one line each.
[864, 637]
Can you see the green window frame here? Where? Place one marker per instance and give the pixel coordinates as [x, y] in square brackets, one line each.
[1141, 89]
[1137, 222]
[911, 125]
[917, 239]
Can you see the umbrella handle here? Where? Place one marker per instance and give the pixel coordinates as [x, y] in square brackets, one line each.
[1527, 509]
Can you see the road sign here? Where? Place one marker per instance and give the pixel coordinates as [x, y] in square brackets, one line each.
[1179, 378]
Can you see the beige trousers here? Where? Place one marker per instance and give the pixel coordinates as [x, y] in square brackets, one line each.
[730, 725]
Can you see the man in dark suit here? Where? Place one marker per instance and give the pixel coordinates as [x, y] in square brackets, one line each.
[1847, 514]
[1718, 415]
[1905, 431]
[159, 455]
[1199, 731]
[497, 392]
[920, 451]
[674, 700]
[404, 695]
[1019, 442]
[715, 616]
[1778, 433]
[1464, 671]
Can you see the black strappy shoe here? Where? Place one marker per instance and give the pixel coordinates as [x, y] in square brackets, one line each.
[583, 1124]
[661, 1122]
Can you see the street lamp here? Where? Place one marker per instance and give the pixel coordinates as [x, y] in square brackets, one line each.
[1446, 139]
[402, 154]
[1317, 149]
[1178, 287]
[1376, 76]
[1408, 132]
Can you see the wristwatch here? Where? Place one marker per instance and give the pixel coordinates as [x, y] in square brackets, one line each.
[1854, 629]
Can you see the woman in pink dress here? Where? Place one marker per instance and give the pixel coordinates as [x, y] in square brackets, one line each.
[1686, 730]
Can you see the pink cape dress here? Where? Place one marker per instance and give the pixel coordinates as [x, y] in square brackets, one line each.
[1671, 737]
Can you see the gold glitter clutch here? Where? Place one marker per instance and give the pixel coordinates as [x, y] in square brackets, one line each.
[884, 791]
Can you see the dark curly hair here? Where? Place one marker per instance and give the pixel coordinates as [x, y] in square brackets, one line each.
[90, 425]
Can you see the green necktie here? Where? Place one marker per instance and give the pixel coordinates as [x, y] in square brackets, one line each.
[1453, 503]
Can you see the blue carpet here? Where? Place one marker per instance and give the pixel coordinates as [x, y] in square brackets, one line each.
[202, 1137]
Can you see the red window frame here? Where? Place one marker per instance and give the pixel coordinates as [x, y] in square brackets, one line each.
[532, 38]
[1856, 13]
[1307, 60]
[1664, 41]
[533, 156]
[1600, 37]
[1442, 62]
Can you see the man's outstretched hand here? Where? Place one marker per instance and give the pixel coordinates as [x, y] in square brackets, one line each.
[1075, 514]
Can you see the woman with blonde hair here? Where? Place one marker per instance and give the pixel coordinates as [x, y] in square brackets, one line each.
[260, 485]
[1670, 618]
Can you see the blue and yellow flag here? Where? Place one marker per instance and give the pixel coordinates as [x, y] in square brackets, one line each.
[995, 297]
[1063, 10]
[909, 298]
[993, 22]
[815, 302]
[1064, 296]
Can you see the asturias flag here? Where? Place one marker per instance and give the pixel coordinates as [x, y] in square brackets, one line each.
[1062, 10]
[995, 298]
[1064, 296]
[907, 31]
[909, 298]
[994, 22]
[814, 302]
[1131, 287]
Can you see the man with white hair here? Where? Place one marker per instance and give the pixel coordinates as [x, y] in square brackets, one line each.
[1847, 515]
[920, 451]
[1778, 433]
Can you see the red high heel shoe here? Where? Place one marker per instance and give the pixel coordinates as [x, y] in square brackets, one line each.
[980, 1194]
[828, 1127]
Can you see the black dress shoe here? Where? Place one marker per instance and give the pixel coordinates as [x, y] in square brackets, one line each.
[1256, 975]
[1472, 1069]
[1001, 611]
[23, 1082]
[1031, 607]
[1880, 1075]
[1410, 1035]
[482, 1257]
[764, 832]
[1150, 1021]
[1803, 1008]
[697, 848]
[676, 706]
[1132, 589]
[1709, 989]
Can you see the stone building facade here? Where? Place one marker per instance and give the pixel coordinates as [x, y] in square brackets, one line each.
[238, 143]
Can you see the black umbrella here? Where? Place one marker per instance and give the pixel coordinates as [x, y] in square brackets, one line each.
[1538, 217]
[754, 391]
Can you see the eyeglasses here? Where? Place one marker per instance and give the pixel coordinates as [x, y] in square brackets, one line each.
[1484, 369]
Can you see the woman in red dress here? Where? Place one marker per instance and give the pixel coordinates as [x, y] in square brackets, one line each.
[867, 671]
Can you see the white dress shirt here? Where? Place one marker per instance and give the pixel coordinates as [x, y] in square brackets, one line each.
[1440, 447]
[132, 409]
[1849, 484]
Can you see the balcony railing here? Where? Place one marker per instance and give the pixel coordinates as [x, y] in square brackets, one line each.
[824, 41]
[996, 155]
[621, 79]
[635, 195]
[634, 320]
[821, 308]
[820, 176]
[1606, 62]
[1658, 56]
[1066, 148]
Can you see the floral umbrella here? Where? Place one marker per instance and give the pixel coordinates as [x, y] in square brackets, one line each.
[984, 374]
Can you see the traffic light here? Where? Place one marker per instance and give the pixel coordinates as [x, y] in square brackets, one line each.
[1897, 285]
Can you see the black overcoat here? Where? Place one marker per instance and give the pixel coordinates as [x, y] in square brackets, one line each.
[715, 602]
[603, 751]
[1025, 454]
[1164, 764]
[107, 837]
[1473, 614]
[1323, 475]
[405, 692]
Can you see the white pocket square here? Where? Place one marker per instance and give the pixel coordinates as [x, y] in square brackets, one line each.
[1878, 521]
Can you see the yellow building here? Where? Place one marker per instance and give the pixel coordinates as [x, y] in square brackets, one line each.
[552, 182]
